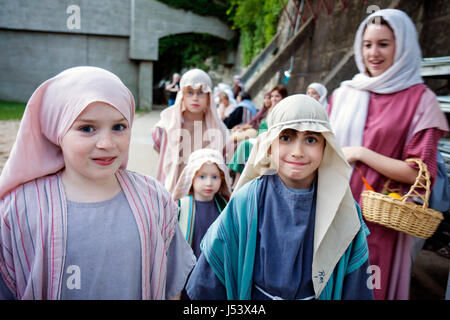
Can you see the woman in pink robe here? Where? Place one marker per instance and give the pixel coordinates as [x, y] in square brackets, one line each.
[381, 117]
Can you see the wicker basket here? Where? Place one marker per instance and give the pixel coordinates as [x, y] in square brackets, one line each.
[400, 214]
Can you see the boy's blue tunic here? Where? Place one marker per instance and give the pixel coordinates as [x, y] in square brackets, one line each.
[265, 237]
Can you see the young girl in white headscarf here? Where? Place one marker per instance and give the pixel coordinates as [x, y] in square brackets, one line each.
[75, 224]
[202, 192]
[292, 229]
[191, 123]
[319, 92]
[381, 117]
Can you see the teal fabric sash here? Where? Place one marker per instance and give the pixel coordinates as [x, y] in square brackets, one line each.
[230, 243]
[186, 214]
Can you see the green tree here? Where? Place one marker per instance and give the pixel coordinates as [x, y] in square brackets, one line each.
[256, 32]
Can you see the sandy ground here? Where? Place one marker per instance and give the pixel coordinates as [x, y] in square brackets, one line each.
[143, 158]
[8, 132]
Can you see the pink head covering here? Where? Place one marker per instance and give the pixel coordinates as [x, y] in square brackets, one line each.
[49, 114]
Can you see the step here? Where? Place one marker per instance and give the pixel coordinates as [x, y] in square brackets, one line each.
[439, 66]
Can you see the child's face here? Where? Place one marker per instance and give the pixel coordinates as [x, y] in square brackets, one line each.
[275, 97]
[313, 93]
[297, 156]
[207, 182]
[195, 100]
[97, 143]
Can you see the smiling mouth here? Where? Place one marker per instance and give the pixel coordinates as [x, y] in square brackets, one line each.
[377, 63]
[296, 164]
[104, 161]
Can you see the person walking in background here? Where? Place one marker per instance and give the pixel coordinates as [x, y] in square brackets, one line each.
[75, 223]
[319, 92]
[292, 229]
[191, 123]
[382, 117]
[173, 88]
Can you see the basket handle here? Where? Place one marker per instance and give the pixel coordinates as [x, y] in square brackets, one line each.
[422, 182]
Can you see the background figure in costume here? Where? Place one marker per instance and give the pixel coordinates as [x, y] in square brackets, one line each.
[226, 104]
[319, 92]
[75, 218]
[292, 229]
[244, 111]
[202, 192]
[381, 117]
[192, 123]
[244, 147]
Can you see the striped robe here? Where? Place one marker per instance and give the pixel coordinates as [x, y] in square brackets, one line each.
[33, 233]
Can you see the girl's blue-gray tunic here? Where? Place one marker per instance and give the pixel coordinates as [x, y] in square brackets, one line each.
[205, 214]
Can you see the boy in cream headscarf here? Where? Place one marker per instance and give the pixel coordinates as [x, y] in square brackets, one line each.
[292, 229]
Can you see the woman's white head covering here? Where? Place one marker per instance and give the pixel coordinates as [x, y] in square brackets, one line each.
[196, 160]
[350, 100]
[321, 90]
[337, 220]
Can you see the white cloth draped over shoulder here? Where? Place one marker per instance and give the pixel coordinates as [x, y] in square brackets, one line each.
[351, 99]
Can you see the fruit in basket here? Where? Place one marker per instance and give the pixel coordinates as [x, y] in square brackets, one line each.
[394, 195]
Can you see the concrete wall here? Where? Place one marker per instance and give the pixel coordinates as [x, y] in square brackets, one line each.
[39, 39]
[29, 58]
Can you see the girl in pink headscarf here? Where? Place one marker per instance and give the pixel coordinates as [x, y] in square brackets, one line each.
[192, 123]
[381, 117]
[75, 224]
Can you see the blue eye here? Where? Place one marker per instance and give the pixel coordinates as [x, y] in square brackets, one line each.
[202, 177]
[119, 127]
[215, 177]
[87, 129]
[311, 140]
[285, 138]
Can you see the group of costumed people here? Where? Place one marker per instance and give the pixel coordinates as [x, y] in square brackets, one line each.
[288, 227]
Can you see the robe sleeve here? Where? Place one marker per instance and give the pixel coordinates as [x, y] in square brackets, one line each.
[355, 284]
[180, 261]
[7, 273]
[203, 283]
[424, 145]
[157, 134]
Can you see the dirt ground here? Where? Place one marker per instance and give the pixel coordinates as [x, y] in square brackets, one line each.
[8, 132]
